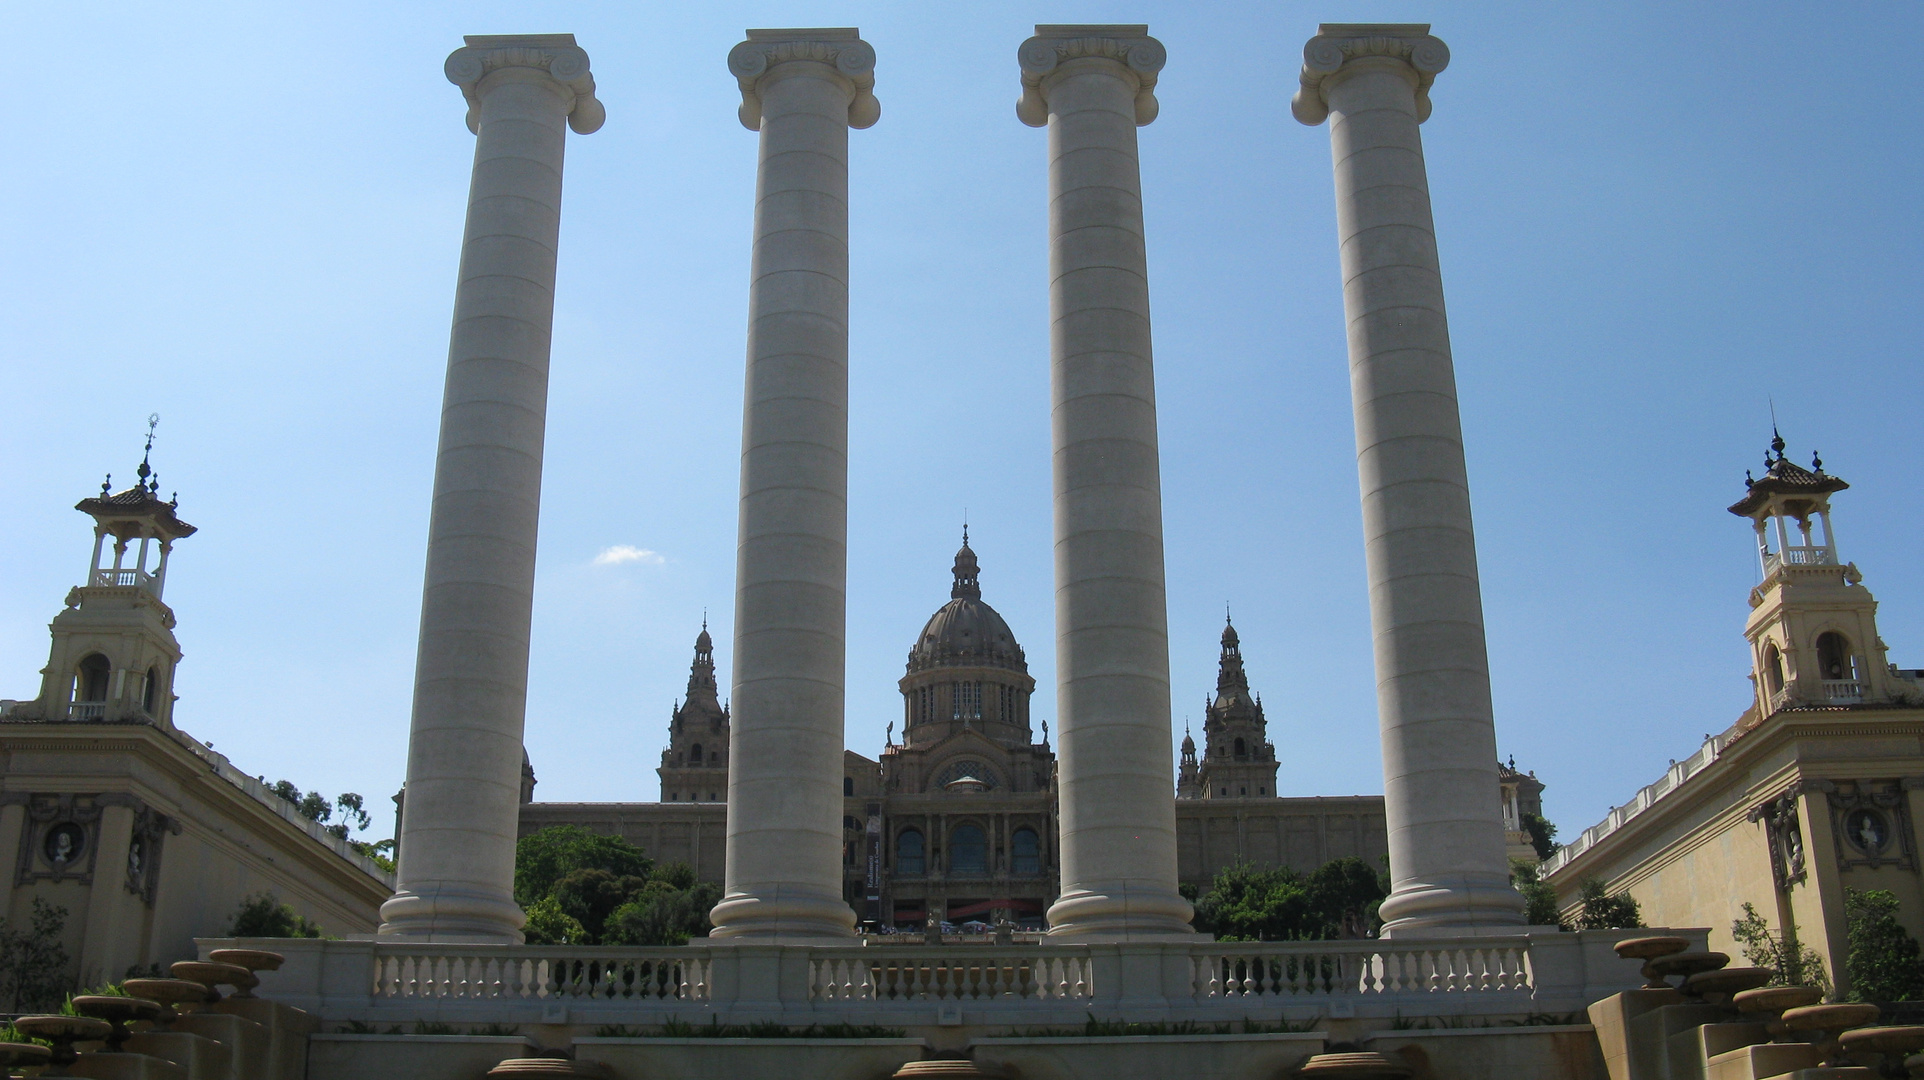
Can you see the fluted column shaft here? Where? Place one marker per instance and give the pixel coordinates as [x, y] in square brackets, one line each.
[456, 875]
[1441, 793]
[802, 90]
[1091, 85]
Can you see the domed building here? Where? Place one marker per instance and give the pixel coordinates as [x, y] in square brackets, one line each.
[957, 819]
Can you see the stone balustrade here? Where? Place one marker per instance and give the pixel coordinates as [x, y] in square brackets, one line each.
[389, 982]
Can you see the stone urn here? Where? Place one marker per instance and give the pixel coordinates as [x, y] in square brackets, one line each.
[1649, 948]
[1659, 969]
[253, 960]
[1725, 983]
[1354, 1065]
[63, 1032]
[1827, 1022]
[1892, 1042]
[176, 997]
[947, 1068]
[551, 1067]
[14, 1055]
[118, 1012]
[211, 974]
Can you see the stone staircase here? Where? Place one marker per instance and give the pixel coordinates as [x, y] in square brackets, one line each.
[174, 1029]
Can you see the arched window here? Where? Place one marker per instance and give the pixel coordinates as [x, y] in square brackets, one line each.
[694, 754]
[848, 787]
[1025, 853]
[150, 691]
[1241, 750]
[968, 850]
[1773, 668]
[92, 684]
[1834, 657]
[909, 852]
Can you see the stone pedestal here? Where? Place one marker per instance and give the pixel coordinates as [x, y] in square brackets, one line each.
[249, 1043]
[202, 1057]
[1092, 87]
[456, 874]
[1449, 871]
[802, 90]
[285, 1029]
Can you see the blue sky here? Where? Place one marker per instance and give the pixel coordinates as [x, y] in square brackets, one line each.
[1653, 219]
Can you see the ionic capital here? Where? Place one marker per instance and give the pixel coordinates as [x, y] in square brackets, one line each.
[554, 55]
[841, 49]
[1336, 46]
[1138, 57]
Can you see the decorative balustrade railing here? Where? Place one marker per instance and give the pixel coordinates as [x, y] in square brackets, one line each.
[1843, 691]
[111, 577]
[949, 974]
[87, 710]
[1329, 969]
[544, 973]
[1196, 977]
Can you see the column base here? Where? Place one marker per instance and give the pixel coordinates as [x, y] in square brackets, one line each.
[1460, 907]
[451, 916]
[1121, 913]
[749, 918]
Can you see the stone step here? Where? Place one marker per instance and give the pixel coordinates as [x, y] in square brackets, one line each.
[101, 1065]
[248, 1042]
[202, 1057]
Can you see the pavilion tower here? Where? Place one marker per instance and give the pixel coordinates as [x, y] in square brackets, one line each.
[1813, 625]
[694, 767]
[966, 671]
[1239, 760]
[114, 652]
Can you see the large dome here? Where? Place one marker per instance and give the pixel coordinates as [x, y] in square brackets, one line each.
[965, 632]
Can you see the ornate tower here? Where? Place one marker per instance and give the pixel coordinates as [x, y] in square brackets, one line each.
[1188, 778]
[114, 651]
[1239, 761]
[694, 767]
[1813, 625]
[966, 671]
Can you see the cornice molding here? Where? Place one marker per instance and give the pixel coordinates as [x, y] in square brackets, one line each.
[1138, 58]
[1338, 44]
[840, 49]
[554, 55]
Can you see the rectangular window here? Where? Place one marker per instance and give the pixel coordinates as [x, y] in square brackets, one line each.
[968, 700]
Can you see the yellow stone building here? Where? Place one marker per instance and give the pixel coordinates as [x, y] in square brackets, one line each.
[1815, 789]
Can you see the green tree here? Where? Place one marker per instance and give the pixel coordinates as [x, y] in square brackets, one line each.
[1543, 834]
[1601, 911]
[1883, 958]
[1247, 902]
[543, 858]
[590, 895]
[1795, 964]
[663, 915]
[1344, 895]
[549, 925]
[263, 915]
[1539, 896]
[33, 962]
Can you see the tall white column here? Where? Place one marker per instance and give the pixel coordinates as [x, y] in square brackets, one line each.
[456, 877]
[803, 90]
[1092, 86]
[1441, 793]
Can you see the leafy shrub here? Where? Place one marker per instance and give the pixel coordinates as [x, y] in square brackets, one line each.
[263, 915]
[1601, 911]
[1539, 896]
[1883, 958]
[1794, 963]
[33, 962]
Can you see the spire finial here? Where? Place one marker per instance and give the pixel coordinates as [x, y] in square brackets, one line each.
[153, 421]
[107, 485]
[1748, 481]
[1816, 462]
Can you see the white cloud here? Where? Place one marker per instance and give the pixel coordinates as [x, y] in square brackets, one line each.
[628, 553]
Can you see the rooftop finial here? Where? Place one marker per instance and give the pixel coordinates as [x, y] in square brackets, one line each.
[1749, 481]
[153, 421]
[1816, 462]
[107, 485]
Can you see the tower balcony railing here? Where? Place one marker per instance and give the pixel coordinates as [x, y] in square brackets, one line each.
[87, 710]
[1802, 555]
[110, 577]
[1844, 691]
